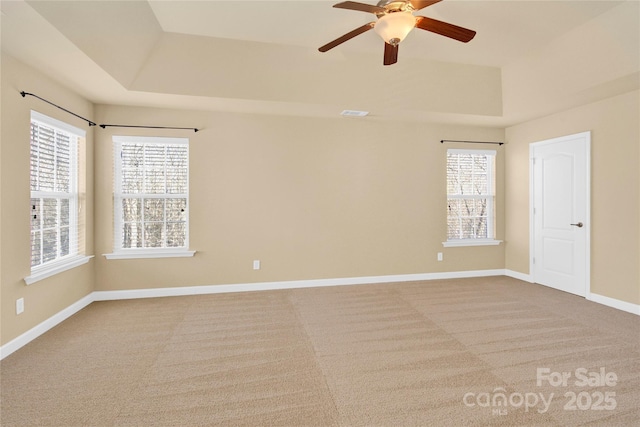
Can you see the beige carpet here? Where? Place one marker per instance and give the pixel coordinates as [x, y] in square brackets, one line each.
[402, 354]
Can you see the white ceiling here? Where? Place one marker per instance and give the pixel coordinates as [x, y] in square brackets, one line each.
[107, 50]
[505, 29]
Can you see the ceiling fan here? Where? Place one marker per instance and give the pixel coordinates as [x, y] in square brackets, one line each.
[395, 21]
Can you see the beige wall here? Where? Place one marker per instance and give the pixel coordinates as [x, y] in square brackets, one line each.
[615, 190]
[47, 297]
[310, 198]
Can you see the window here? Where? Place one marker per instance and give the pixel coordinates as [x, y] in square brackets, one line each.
[55, 231]
[151, 197]
[470, 197]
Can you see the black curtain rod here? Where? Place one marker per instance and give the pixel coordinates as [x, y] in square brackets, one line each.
[147, 127]
[23, 93]
[442, 141]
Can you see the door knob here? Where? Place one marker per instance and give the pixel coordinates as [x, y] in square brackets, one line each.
[579, 225]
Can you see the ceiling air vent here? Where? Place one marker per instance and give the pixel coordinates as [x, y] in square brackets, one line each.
[354, 113]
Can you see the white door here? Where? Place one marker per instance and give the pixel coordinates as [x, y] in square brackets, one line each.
[560, 241]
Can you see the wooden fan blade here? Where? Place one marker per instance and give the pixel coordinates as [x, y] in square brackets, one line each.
[353, 5]
[349, 35]
[421, 4]
[390, 54]
[444, 29]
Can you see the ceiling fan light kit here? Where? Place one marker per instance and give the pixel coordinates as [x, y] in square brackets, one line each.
[395, 20]
[394, 27]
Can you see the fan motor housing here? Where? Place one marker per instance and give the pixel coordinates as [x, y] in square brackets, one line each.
[395, 6]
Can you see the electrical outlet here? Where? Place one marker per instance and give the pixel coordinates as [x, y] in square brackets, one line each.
[256, 264]
[19, 305]
[440, 258]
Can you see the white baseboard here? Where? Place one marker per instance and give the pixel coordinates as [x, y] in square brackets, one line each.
[517, 275]
[615, 303]
[43, 327]
[600, 299]
[292, 284]
[59, 317]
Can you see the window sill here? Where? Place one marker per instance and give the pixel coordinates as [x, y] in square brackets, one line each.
[42, 272]
[470, 242]
[150, 253]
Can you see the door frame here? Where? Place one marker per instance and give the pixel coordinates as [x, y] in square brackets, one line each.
[587, 138]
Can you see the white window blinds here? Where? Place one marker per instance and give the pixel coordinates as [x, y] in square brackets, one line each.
[470, 194]
[54, 190]
[151, 193]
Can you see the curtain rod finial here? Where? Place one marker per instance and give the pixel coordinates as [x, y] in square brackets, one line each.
[23, 93]
[196, 129]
